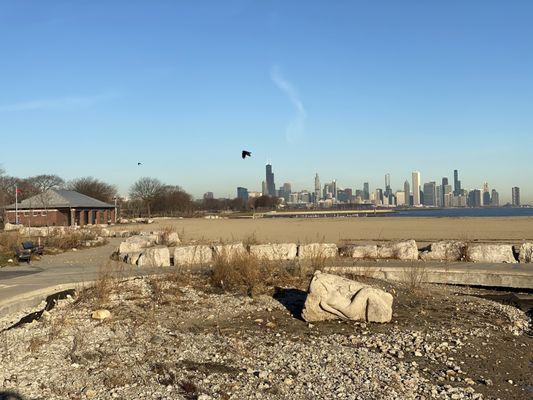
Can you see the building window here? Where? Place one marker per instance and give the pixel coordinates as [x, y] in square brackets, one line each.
[43, 213]
[26, 213]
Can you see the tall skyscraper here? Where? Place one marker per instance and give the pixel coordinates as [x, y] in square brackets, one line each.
[271, 186]
[416, 188]
[475, 198]
[366, 191]
[407, 190]
[264, 188]
[495, 198]
[516, 196]
[317, 188]
[486, 194]
[430, 194]
[456, 184]
[334, 188]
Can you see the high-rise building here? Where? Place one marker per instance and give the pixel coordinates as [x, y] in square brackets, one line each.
[416, 188]
[317, 188]
[407, 191]
[379, 197]
[456, 183]
[242, 194]
[430, 194]
[475, 198]
[271, 186]
[209, 196]
[400, 198]
[516, 196]
[264, 188]
[439, 198]
[447, 196]
[486, 194]
[334, 188]
[366, 191]
[494, 198]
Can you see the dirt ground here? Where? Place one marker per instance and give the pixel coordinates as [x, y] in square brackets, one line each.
[338, 230]
[180, 338]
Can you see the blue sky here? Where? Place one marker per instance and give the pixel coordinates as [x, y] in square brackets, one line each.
[349, 89]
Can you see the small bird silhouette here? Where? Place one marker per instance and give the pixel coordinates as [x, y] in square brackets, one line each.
[245, 153]
[139, 163]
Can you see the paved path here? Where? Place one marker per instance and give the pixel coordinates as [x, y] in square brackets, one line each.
[515, 276]
[27, 285]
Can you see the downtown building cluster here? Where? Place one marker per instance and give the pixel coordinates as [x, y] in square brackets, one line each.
[414, 193]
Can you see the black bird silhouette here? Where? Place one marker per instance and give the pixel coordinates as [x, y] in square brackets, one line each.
[139, 163]
[245, 153]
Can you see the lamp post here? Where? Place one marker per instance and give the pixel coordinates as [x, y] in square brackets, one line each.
[115, 199]
[16, 205]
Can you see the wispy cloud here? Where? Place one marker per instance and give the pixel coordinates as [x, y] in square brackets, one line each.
[295, 129]
[58, 104]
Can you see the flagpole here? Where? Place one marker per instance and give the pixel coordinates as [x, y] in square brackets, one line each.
[16, 205]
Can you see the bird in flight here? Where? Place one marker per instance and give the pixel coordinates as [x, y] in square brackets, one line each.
[139, 163]
[245, 153]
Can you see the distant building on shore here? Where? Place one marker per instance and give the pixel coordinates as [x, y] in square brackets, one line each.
[430, 194]
[495, 198]
[516, 196]
[270, 184]
[242, 194]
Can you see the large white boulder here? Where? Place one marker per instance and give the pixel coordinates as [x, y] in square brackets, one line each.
[274, 251]
[407, 251]
[137, 243]
[332, 297]
[189, 255]
[318, 250]
[229, 251]
[526, 253]
[155, 257]
[368, 252]
[490, 253]
[445, 251]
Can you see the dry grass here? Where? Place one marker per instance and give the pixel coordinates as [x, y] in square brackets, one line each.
[415, 277]
[246, 274]
[69, 240]
[8, 241]
[165, 234]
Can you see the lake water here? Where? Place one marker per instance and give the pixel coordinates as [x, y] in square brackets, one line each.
[466, 212]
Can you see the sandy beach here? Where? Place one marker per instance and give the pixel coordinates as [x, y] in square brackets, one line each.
[342, 230]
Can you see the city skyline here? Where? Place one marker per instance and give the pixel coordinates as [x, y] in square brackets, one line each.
[436, 193]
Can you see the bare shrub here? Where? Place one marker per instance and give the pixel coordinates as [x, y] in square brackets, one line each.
[165, 234]
[415, 277]
[246, 274]
[250, 240]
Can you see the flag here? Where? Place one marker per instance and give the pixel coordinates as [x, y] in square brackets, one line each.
[19, 191]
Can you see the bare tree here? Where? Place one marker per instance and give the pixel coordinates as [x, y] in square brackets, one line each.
[43, 184]
[147, 190]
[93, 187]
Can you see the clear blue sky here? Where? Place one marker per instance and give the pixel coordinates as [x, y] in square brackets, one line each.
[349, 89]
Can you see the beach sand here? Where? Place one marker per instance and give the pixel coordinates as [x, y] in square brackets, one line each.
[343, 230]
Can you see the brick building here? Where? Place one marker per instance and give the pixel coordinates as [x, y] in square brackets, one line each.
[60, 207]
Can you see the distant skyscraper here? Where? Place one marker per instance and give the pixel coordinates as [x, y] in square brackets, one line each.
[271, 186]
[516, 196]
[379, 196]
[416, 188]
[495, 198]
[430, 194]
[334, 188]
[447, 196]
[486, 194]
[242, 194]
[366, 191]
[407, 190]
[317, 188]
[456, 184]
[475, 198]
[208, 195]
[264, 189]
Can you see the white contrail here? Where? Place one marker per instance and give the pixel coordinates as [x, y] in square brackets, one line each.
[296, 127]
[61, 103]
